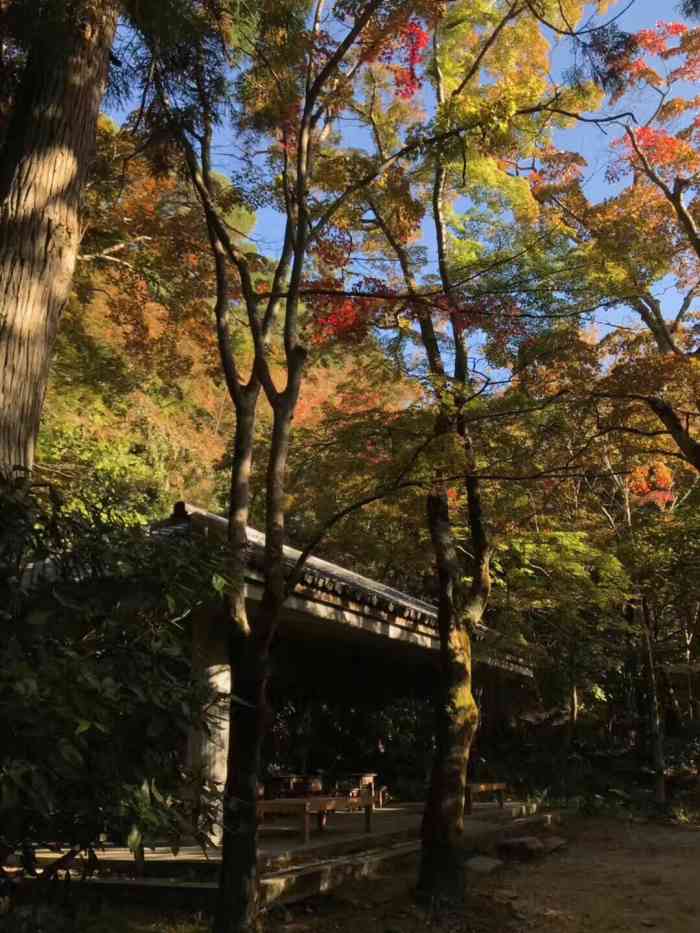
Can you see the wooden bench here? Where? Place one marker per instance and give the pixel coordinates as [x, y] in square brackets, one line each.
[302, 807]
[493, 788]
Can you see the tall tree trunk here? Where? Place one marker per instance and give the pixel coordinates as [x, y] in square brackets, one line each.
[237, 899]
[43, 166]
[237, 891]
[572, 723]
[459, 606]
[456, 716]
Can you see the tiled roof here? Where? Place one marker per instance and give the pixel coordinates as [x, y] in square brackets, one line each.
[323, 576]
[318, 574]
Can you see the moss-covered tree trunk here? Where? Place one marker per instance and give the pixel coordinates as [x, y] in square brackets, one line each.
[456, 713]
[44, 162]
[461, 605]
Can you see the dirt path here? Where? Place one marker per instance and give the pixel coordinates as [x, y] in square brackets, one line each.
[614, 877]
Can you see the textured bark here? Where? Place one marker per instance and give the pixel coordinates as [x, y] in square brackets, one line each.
[47, 153]
[237, 899]
[237, 896]
[236, 904]
[239, 502]
[689, 447]
[459, 606]
[456, 718]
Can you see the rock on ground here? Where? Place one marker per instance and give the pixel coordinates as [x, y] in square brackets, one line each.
[483, 864]
[521, 847]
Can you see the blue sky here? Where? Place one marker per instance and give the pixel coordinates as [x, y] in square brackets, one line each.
[588, 140]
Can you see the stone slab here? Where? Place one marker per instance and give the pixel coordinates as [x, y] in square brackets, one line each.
[520, 847]
[552, 843]
[483, 864]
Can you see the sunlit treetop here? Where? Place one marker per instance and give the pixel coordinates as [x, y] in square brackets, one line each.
[466, 64]
[647, 229]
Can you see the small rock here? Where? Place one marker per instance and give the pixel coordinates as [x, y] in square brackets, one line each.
[506, 894]
[552, 843]
[648, 922]
[483, 864]
[521, 847]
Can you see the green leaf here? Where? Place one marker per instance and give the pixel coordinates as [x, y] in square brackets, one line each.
[134, 839]
[70, 754]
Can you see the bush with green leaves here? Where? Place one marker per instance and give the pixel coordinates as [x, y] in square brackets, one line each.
[97, 693]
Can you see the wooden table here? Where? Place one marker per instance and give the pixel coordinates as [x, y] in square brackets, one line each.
[494, 788]
[302, 807]
[364, 779]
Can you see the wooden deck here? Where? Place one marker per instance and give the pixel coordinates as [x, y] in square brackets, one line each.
[289, 869]
[280, 842]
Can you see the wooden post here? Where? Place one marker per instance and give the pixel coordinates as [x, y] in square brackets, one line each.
[367, 801]
[306, 824]
[140, 860]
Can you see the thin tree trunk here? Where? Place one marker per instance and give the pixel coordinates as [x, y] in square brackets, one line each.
[573, 698]
[571, 725]
[47, 153]
[689, 629]
[655, 725]
[237, 891]
[573, 707]
[459, 607]
[673, 714]
[239, 503]
[237, 900]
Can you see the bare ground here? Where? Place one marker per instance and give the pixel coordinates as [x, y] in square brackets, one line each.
[615, 875]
